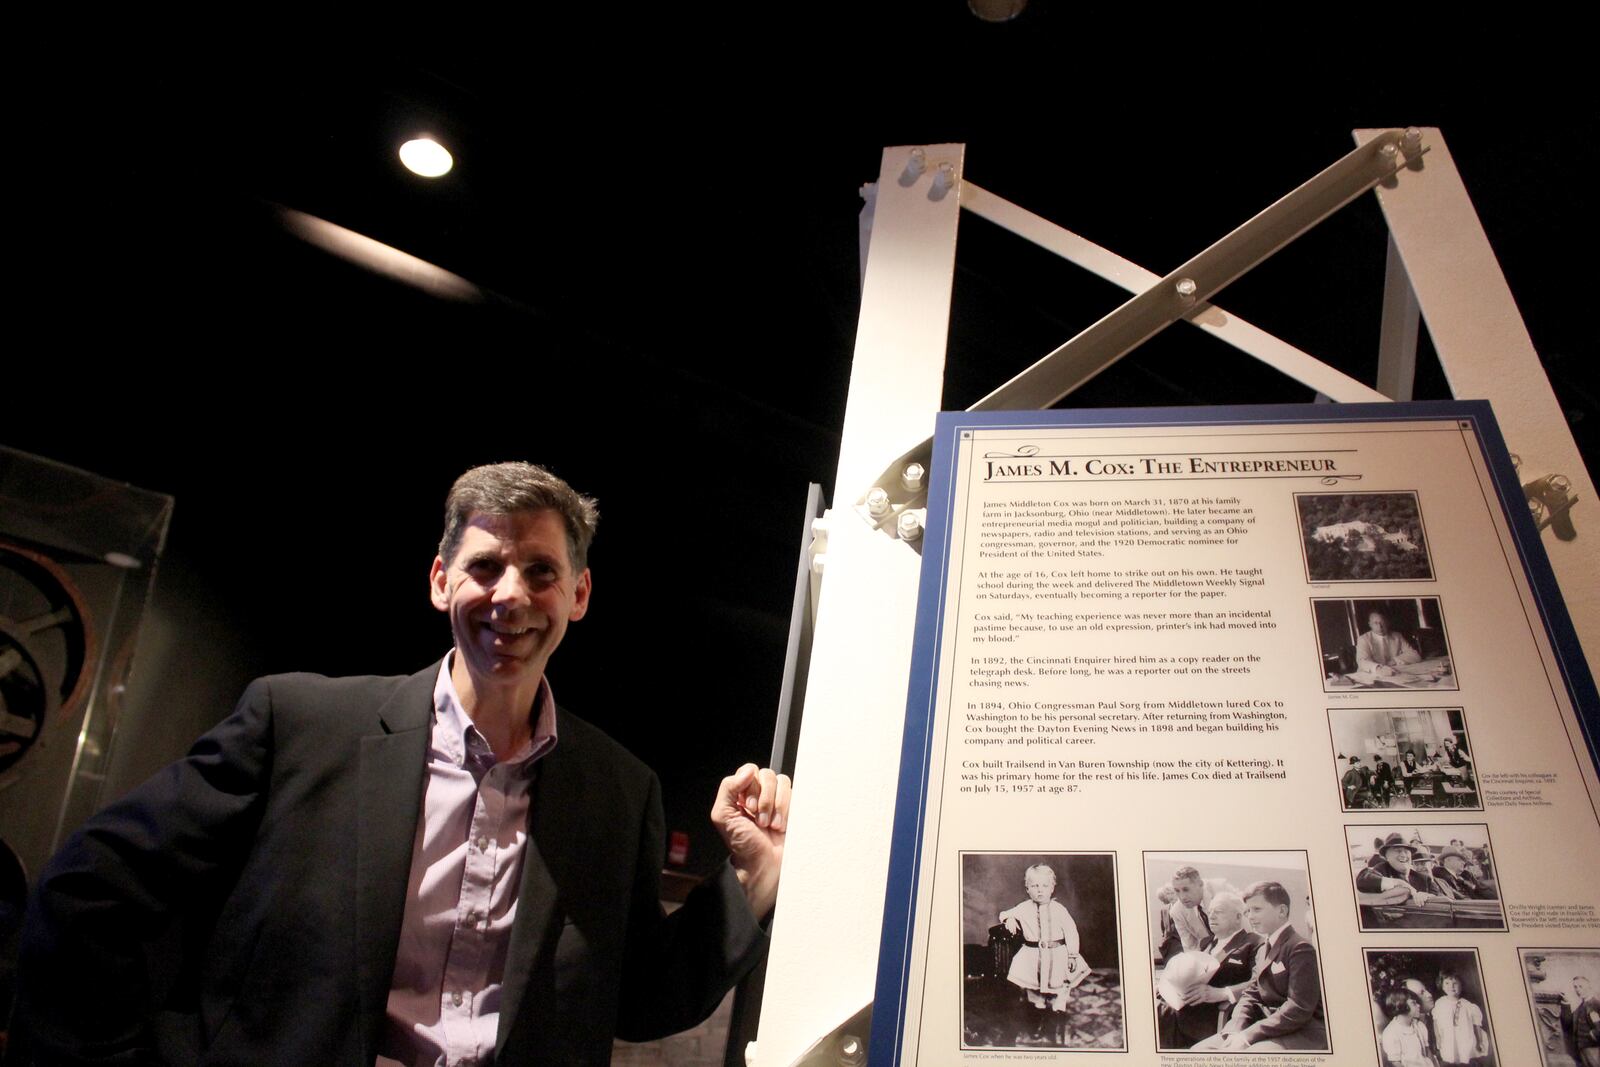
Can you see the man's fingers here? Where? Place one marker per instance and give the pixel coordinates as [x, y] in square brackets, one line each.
[761, 795]
[730, 794]
[780, 807]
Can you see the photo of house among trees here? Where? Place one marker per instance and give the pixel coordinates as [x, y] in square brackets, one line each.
[1363, 537]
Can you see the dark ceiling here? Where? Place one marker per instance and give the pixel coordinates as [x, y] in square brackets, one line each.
[670, 248]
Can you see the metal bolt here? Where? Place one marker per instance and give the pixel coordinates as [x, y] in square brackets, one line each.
[1411, 142]
[912, 476]
[1186, 288]
[1390, 154]
[917, 163]
[877, 502]
[909, 524]
[946, 176]
[852, 1053]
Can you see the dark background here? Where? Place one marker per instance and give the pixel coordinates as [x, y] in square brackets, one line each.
[665, 217]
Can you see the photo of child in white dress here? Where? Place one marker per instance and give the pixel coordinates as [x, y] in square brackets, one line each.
[1047, 965]
[1043, 972]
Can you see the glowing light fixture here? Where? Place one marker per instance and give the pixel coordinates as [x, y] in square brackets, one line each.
[426, 157]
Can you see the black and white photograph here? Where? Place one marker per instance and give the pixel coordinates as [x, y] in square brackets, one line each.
[1430, 1008]
[1388, 643]
[1403, 759]
[1564, 996]
[1042, 965]
[1437, 876]
[1363, 537]
[1233, 940]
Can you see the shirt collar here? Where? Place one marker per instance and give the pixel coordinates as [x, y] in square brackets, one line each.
[455, 736]
[1278, 934]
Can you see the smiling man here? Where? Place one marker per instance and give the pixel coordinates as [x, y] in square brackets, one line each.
[1281, 1008]
[445, 869]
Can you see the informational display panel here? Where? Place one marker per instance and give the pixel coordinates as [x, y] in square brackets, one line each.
[1240, 735]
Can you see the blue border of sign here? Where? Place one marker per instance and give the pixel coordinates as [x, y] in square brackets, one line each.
[894, 953]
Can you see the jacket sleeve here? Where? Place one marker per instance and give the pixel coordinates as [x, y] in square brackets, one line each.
[1300, 1006]
[127, 880]
[678, 967]
[1370, 880]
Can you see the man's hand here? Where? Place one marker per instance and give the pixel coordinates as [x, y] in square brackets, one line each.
[752, 814]
[1236, 1042]
[1206, 994]
[1012, 926]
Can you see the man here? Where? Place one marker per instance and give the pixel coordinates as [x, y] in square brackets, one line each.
[1235, 951]
[1281, 1008]
[1395, 866]
[1453, 872]
[1354, 783]
[1581, 1019]
[1188, 911]
[1379, 651]
[441, 869]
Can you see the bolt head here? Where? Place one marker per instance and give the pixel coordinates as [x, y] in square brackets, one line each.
[912, 476]
[909, 525]
[1186, 288]
[878, 501]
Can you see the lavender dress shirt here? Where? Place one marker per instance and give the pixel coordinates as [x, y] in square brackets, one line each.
[461, 898]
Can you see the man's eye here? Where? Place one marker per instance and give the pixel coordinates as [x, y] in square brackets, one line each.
[483, 568]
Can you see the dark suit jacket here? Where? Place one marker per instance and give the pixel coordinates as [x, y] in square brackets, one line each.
[278, 852]
[1370, 879]
[1197, 1022]
[1284, 1001]
[1581, 1025]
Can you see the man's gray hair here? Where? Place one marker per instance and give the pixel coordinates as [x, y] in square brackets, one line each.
[507, 488]
[1230, 898]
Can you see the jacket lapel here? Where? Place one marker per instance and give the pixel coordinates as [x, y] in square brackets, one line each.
[393, 770]
[555, 835]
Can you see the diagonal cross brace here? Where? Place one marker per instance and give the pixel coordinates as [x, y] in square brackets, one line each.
[1183, 292]
[1224, 326]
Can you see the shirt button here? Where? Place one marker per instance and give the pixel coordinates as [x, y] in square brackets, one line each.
[483, 844]
[455, 998]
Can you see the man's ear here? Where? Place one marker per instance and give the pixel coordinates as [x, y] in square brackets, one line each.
[580, 596]
[439, 584]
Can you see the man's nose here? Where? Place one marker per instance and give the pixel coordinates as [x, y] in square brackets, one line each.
[512, 589]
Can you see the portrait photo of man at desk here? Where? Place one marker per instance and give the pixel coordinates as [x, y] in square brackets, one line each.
[1395, 643]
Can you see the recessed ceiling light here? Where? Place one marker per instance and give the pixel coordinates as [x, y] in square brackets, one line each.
[426, 157]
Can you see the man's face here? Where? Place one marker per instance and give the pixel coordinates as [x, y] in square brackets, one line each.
[1189, 890]
[1226, 919]
[1454, 864]
[1580, 986]
[1265, 917]
[510, 592]
[1377, 623]
[1399, 857]
[1452, 986]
